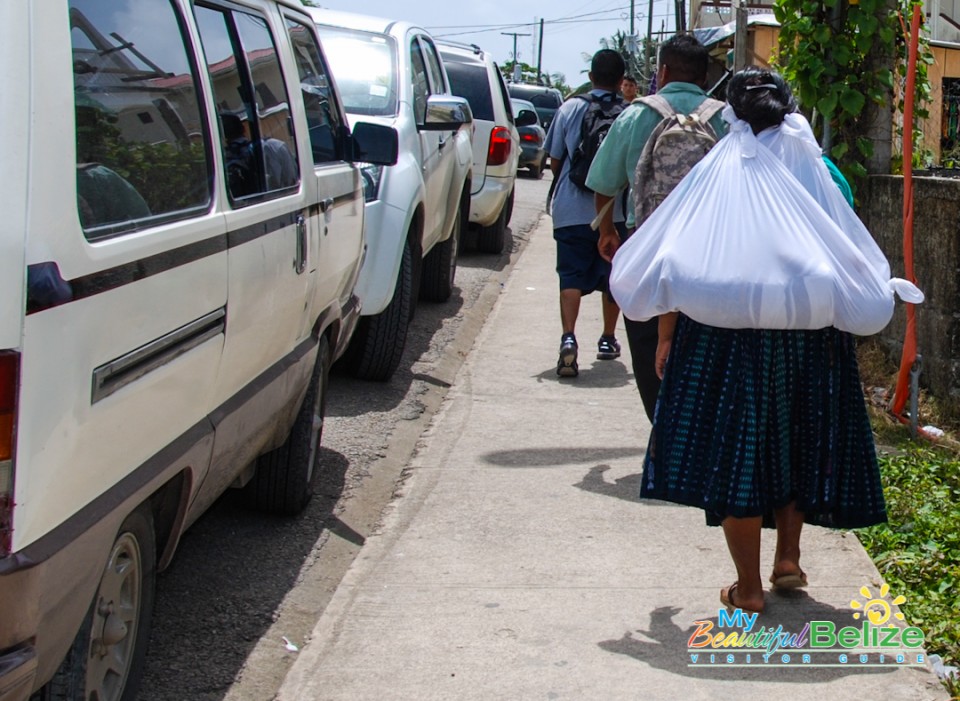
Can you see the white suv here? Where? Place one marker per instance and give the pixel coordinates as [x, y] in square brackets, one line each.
[496, 141]
[183, 229]
[389, 73]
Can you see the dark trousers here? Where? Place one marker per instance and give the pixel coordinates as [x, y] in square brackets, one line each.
[642, 337]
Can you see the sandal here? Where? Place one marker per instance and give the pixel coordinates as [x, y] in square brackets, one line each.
[726, 598]
[795, 580]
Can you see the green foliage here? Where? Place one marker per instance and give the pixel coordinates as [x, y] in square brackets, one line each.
[839, 57]
[918, 551]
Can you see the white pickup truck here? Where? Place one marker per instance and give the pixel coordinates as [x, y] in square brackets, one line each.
[390, 73]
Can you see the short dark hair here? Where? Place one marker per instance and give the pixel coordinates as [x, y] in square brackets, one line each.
[607, 68]
[760, 97]
[629, 79]
[686, 58]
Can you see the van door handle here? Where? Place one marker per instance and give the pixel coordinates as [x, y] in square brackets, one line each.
[326, 205]
[300, 264]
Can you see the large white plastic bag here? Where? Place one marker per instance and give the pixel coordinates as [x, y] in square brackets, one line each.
[741, 243]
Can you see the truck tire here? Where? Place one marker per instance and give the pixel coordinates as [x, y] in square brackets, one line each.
[377, 345]
[106, 659]
[440, 264]
[491, 238]
[283, 481]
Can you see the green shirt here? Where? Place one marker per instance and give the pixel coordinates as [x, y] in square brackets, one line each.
[616, 159]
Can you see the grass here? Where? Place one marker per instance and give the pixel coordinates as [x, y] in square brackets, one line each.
[918, 550]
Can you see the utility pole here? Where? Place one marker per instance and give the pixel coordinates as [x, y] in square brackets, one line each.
[646, 47]
[516, 63]
[740, 36]
[540, 55]
[631, 17]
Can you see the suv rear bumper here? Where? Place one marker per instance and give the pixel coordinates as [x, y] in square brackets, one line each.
[485, 205]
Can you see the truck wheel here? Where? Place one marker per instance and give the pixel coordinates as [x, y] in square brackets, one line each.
[440, 265]
[491, 238]
[283, 481]
[377, 345]
[106, 659]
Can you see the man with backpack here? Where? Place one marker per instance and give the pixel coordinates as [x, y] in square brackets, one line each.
[576, 133]
[650, 148]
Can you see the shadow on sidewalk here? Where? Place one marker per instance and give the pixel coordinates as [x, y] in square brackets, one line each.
[557, 457]
[664, 646]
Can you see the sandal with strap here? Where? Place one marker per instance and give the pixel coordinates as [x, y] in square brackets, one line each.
[726, 598]
[794, 580]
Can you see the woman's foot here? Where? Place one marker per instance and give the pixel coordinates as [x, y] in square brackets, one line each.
[788, 577]
[731, 598]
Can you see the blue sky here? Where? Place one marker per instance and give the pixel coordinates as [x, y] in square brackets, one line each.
[571, 27]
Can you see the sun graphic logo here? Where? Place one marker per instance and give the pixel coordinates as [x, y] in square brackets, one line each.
[877, 609]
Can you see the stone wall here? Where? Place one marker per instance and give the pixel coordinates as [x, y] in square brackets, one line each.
[936, 263]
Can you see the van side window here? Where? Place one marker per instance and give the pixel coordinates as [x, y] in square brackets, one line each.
[259, 148]
[142, 142]
[323, 115]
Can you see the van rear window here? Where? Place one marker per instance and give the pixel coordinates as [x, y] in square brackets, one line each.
[142, 141]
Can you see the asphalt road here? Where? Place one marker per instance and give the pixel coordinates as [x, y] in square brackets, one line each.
[245, 589]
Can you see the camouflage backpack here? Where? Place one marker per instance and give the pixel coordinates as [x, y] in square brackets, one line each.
[677, 144]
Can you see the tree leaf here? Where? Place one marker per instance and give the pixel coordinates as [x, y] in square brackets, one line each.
[885, 77]
[827, 105]
[839, 151]
[852, 101]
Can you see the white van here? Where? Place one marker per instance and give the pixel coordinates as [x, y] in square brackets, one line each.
[183, 236]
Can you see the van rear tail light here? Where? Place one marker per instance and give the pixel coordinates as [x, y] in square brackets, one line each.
[9, 382]
[499, 152]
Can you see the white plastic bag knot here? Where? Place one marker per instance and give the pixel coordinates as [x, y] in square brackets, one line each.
[742, 132]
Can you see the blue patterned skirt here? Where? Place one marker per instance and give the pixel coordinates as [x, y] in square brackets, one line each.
[748, 421]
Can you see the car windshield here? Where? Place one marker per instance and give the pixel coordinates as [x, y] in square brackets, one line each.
[365, 68]
[469, 80]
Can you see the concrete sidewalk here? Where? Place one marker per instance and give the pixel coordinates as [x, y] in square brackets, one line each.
[518, 563]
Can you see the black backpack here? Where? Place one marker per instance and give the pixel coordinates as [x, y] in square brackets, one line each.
[597, 120]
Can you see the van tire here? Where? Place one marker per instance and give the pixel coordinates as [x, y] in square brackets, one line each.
[377, 345]
[284, 478]
[129, 576]
[440, 265]
[491, 238]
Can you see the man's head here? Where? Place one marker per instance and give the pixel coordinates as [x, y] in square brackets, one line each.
[628, 88]
[606, 70]
[682, 59]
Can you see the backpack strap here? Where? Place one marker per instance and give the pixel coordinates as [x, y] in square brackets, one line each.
[707, 109]
[659, 103]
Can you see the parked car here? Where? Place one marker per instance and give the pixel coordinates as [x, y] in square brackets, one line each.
[533, 154]
[496, 143]
[389, 73]
[546, 100]
[184, 232]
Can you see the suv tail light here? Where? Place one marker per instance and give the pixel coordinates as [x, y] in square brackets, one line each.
[9, 381]
[499, 150]
[533, 137]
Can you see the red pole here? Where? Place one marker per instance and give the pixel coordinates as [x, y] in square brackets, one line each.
[909, 356]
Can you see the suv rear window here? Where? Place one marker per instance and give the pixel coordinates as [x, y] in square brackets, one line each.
[545, 100]
[469, 80]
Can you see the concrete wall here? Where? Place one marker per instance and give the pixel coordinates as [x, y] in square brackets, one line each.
[936, 238]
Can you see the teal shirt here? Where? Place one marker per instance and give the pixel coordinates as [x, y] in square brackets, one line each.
[616, 159]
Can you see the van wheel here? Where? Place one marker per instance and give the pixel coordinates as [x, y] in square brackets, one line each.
[440, 265]
[283, 481]
[491, 238]
[106, 659]
[377, 345]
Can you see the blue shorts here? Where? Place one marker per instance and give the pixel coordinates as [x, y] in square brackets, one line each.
[579, 264]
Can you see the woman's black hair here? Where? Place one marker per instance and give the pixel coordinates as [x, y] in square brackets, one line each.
[760, 97]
